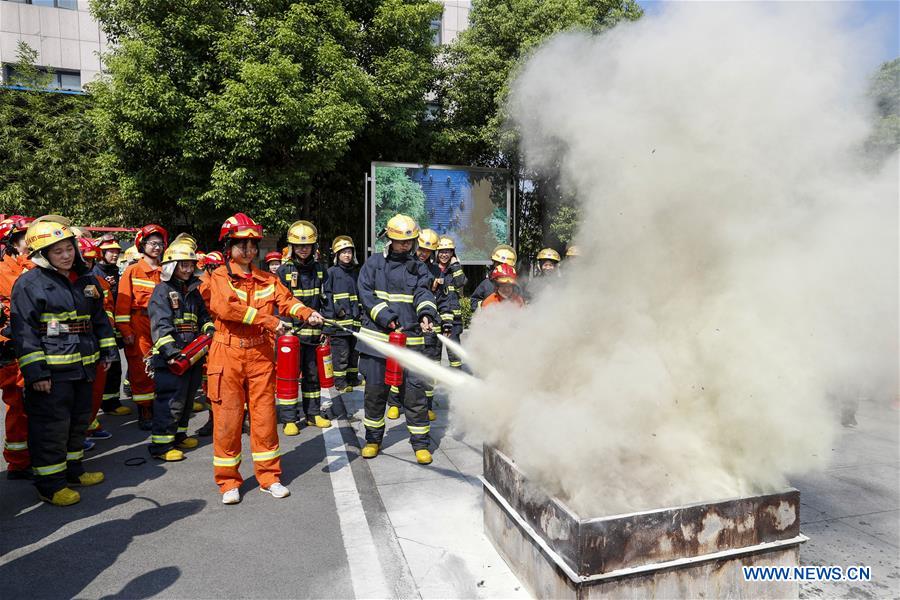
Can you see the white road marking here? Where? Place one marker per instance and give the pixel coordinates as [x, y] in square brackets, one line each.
[366, 573]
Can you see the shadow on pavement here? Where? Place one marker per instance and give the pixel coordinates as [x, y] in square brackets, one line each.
[148, 585]
[80, 557]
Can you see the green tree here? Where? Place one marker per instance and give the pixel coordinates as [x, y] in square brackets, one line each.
[50, 159]
[397, 193]
[475, 84]
[885, 94]
[213, 106]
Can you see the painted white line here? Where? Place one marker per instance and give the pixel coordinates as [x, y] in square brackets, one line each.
[366, 574]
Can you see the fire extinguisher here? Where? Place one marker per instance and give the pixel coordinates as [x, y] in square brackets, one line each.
[393, 372]
[287, 368]
[323, 359]
[191, 354]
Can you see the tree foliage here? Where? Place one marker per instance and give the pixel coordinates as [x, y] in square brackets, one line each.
[213, 106]
[50, 159]
[885, 94]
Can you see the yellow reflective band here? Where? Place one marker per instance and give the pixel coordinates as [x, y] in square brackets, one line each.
[311, 331]
[446, 316]
[186, 318]
[455, 363]
[307, 293]
[404, 298]
[457, 273]
[261, 456]
[373, 424]
[162, 439]
[15, 445]
[94, 425]
[249, 316]
[224, 461]
[345, 323]
[429, 393]
[341, 296]
[111, 396]
[312, 394]
[110, 314]
[63, 316]
[377, 309]
[166, 339]
[457, 312]
[296, 308]
[340, 373]
[264, 293]
[142, 397]
[375, 335]
[75, 455]
[426, 304]
[145, 283]
[240, 293]
[395, 389]
[285, 401]
[210, 326]
[352, 370]
[62, 359]
[415, 341]
[415, 430]
[50, 469]
[182, 430]
[451, 288]
[123, 318]
[31, 357]
[90, 359]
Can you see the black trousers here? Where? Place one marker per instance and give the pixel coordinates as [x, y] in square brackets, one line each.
[412, 391]
[455, 361]
[111, 390]
[343, 355]
[172, 407]
[57, 421]
[309, 388]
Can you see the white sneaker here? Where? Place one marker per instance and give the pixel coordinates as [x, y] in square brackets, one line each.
[232, 496]
[277, 490]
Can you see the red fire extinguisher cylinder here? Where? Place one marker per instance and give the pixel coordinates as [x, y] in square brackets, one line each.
[323, 360]
[287, 369]
[393, 373]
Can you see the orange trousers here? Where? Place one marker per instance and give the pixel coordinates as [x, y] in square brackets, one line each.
[15, 449]
[142, 389]
[97, 396]
[238, 376]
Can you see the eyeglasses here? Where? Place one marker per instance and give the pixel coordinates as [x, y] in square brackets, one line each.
[154, 244]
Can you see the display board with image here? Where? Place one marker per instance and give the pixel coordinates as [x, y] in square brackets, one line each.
[470, 205]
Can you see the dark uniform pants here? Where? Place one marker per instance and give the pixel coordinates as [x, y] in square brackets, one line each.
[57, 422]
[111, 389]
[343, 348]
[309, 388]
[412, 391]
[172, 407]
[455, 361]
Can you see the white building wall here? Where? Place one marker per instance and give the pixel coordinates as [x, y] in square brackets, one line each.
[65, 39]
[455, 19]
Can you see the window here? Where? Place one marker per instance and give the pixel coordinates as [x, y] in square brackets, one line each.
[60, 81]
[436, 31]
[69, 4]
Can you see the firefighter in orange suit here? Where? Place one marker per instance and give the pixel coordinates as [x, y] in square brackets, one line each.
[135, 288]
[15, 262]
[241, 366]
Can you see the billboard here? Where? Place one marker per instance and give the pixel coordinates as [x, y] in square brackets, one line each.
[471, 205]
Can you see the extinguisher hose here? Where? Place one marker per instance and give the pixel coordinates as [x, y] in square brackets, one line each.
[336, 324]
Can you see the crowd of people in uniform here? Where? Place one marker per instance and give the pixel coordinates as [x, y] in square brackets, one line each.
[70, 303]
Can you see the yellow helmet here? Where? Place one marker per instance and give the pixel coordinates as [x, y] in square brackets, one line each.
[446, 243]
[572, 251]
[183, 247]
[341, 242]
[428, 239]
[302, 232]
[549, 254]
[402, 227]
[131, 254]
[505, 254]
[46, 231]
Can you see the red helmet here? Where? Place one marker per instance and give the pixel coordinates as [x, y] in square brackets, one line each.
[240, 227]
[272, 256]
[214, 259]
[148, 230]
[12, 225]
[88, 248]
[503, 273]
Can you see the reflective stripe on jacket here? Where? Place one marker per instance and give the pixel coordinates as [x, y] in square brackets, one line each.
[305, 283]
[169, 324]
[340, 299]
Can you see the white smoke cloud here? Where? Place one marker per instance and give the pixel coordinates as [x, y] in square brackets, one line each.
[738, 267]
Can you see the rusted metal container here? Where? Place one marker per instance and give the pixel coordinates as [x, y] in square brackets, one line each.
[691, 551]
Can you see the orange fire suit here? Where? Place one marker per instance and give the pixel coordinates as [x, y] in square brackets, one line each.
[241, 369]
[15, 447]
[496, 298]
[135, 288]
[99, 385]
